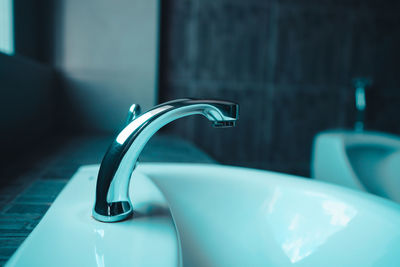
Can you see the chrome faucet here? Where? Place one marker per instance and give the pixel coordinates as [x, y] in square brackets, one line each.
[112, 190]
[360, 84]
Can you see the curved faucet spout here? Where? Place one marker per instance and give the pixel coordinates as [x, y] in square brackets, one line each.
[112, 196]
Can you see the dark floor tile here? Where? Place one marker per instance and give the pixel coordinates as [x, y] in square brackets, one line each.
[12, 224]
[32, 225]
[7, 252]
[23, 233]
[36, 199]
[28, 209]
[11, 242]
[3, 204]
[44, 188]
[16, 227]
[11, 190]
[61, 172]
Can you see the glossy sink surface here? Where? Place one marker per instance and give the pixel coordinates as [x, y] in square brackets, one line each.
[223, 216]
[69, 236]
[366, 161]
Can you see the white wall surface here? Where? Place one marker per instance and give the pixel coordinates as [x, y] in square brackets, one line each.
[107, 53]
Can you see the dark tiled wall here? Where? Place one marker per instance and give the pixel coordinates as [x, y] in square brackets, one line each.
[288, 64]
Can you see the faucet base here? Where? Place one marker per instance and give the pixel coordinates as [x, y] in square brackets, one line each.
[116, 211]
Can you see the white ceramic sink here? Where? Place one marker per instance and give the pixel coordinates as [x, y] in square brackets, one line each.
[69, 236]
[366, 161]
[223, 216]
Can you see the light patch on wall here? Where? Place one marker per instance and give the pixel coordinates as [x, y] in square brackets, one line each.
[6, 27]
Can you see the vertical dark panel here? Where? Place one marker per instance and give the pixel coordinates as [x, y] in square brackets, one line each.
[27, 103]
[33, 29]
[289, 64]
[312, 45]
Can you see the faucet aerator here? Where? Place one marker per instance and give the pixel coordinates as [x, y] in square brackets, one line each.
[224, 124]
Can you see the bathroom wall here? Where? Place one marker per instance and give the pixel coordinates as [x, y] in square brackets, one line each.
[29, 88]
[288, 64]
[26, 107]
[106, 52]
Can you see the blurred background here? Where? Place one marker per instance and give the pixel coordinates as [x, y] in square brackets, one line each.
[72, 68]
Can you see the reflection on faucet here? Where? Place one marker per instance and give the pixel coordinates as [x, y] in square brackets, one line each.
[112, 200]
[360, 85]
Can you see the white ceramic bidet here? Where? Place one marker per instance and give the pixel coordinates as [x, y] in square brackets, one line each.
[366, 161]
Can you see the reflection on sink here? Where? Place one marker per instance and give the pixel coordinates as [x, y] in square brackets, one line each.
[302, 235]
[367, 161]
[69, 236]
[223, 216]
[228, 216]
